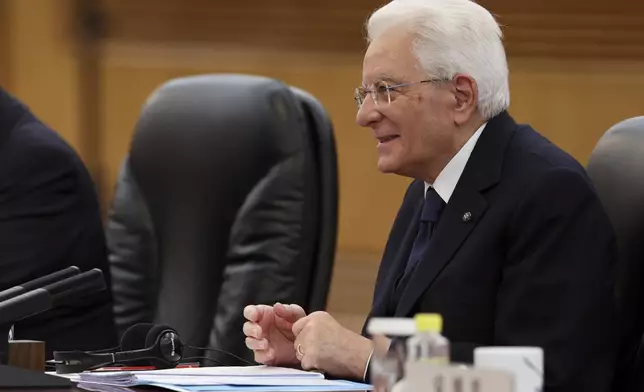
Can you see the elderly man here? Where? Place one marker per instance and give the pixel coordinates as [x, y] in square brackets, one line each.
[500, 231]
[50, 219]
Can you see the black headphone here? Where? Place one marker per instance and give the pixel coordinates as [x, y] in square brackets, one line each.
[149, 344]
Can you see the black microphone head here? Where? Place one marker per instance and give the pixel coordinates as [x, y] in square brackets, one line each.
[24, 305]
[52, 278]
[76, 286]
[38, 283]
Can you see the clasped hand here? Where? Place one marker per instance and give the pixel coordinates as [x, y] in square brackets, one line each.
[283, 335]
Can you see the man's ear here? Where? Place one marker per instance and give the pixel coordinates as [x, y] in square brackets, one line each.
[466, 94]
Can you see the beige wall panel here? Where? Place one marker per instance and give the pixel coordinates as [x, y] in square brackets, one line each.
[574, 102]
[42, 64]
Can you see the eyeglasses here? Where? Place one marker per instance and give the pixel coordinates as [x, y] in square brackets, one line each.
[381, 92]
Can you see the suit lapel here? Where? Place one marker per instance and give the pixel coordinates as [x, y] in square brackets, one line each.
[449, 235]
[464, 210]
[397, 266]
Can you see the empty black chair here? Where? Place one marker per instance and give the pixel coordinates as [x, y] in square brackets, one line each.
[228, 197]
[616, 167]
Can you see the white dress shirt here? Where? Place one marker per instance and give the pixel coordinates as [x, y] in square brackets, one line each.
[448, 177]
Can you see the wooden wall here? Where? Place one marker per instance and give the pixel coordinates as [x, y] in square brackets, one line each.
[576, 69]
[4, 44]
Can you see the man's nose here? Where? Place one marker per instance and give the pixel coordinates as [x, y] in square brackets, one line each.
[367, 113]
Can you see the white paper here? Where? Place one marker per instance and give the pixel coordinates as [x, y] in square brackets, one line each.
[228, 380]
[249, 377]
[235, 371]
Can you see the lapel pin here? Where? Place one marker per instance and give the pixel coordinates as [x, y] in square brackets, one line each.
[467, 216]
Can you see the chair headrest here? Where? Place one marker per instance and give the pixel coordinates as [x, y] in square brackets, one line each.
[191, 128]
[616, 166]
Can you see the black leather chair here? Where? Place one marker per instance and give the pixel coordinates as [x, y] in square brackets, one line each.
[228, 197]
[616, 166]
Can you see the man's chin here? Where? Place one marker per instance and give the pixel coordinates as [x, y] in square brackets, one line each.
[387, 166]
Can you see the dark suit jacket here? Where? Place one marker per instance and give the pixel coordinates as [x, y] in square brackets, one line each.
[533, 266]
[49, 220]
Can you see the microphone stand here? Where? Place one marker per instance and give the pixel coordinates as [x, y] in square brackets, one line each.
[12, 378]
[31, 303]
[20, 290]
[4, 343]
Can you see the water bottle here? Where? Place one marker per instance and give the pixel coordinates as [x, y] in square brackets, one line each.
[427, 344]
[387, 365]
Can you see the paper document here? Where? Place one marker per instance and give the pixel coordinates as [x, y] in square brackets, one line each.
[222, 378]
[109, 388]
[218, 380]
[236, 371]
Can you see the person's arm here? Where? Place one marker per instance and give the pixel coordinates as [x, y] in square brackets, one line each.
[557, 282]
[38, 196]
[49, 220]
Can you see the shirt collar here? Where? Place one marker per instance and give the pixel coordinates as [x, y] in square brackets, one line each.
[448, 177]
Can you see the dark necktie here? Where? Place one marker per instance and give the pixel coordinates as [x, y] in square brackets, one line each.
[432, 208]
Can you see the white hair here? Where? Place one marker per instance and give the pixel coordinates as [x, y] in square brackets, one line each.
[451, 37]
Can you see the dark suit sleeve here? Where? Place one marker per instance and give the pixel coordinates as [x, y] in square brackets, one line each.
[557, 283]
[49, 220]
[38, 193]
[132, 255]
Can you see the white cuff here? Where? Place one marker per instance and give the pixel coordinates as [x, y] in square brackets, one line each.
[366, 368]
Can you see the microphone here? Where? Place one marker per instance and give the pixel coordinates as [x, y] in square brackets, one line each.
[38, 283]
[49, 296]
[24, 305]
[82, 284]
